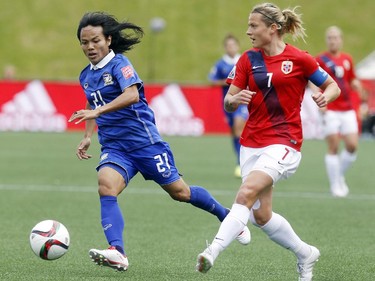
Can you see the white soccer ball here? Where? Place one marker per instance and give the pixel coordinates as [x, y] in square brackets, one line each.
[49, 239]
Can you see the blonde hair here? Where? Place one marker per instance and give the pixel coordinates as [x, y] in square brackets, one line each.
[287, 20]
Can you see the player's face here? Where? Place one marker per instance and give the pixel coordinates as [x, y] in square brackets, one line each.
[94, 44]
[258, 31]
[334, 40]
[231, 47]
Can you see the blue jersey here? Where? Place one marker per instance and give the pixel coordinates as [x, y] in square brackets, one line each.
[221, 70]
[128, 128]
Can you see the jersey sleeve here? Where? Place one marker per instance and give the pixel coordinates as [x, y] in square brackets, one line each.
[313, 71]
[239, 76]
[351, 73]
[126, 74]
[214, 73]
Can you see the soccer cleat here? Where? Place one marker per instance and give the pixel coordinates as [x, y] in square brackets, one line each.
[205, 261]
[337, 191]
[305, 268]
[244, 237]
[344, 187]
[109, 257]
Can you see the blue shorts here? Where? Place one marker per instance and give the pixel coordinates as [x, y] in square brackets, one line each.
[241, 112]
[155, 162]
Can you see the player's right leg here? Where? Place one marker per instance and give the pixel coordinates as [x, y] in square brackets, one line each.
[114, 171]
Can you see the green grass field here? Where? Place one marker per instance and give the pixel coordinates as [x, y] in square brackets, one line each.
[40, 35]
[40, 178]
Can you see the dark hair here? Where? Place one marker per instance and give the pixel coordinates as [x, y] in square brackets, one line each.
[121, 41]
[230, 36]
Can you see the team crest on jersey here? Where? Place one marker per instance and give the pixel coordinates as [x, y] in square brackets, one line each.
[107, 78]
[287, 66]
[127, 71]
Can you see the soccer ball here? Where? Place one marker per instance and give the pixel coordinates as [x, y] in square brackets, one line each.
[49, 239]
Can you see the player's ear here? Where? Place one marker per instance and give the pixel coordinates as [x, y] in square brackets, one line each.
[109, 40]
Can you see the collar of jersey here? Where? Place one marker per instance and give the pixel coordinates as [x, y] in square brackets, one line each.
[230, 60]
[103, 62]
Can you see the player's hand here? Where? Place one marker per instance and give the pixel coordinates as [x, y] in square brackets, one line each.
[82, 148]
[84, 114]
[243, 97]
[320, 99]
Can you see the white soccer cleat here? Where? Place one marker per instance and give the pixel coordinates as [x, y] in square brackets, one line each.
[344, 187]
[205, 261]
[244, 237]
[109, 257]
[305, 268]
[338, 191]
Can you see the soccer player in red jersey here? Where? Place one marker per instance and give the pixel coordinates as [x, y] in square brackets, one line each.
[271, 79]
[340, 117]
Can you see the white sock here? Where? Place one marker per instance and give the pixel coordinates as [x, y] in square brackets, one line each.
[333, 169]
[229, 229]
[281, 232]
[346, 160]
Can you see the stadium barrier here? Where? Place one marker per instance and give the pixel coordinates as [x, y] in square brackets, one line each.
[46, 106]
[182, 110]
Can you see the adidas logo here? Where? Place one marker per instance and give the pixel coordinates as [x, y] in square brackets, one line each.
[31, 110]
[173, 113]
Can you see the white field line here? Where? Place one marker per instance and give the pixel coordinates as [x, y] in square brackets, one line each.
[158, 190]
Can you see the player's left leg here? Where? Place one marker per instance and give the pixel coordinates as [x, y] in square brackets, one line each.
[349, 154]
[281, 232]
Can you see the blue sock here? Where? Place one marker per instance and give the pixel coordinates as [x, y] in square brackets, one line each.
[201, 198]
[237, 146]
[112, 222]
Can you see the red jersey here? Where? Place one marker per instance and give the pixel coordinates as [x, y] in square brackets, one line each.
[342, 71]
[279, 82]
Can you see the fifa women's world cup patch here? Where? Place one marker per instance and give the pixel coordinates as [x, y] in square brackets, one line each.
[127, 71]
[107, 78]
[287, 66]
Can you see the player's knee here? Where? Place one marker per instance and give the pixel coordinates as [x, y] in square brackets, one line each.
[180, 195]
[351, 148]
[259, 219]
[247, 194]
[106, 190]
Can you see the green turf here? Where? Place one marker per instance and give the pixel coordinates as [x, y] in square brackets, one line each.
[39, 36]
[42, 179]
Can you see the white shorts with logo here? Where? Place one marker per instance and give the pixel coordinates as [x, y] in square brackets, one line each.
[278, 161]
[340, 122]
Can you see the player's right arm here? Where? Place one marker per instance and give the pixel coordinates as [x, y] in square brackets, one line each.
[236, 96]
[85, 143]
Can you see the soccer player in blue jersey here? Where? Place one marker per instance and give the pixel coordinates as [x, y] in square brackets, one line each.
[130, 141]
[218, 76]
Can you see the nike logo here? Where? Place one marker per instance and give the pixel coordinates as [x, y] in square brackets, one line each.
[257, 66]
[217, 238]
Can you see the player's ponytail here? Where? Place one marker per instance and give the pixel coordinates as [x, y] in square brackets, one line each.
[293, 24]
[287, 21]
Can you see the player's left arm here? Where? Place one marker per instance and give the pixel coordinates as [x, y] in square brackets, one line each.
[329, 88]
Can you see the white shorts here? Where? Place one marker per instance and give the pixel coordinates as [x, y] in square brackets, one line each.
[340, 122]
[278, 161]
